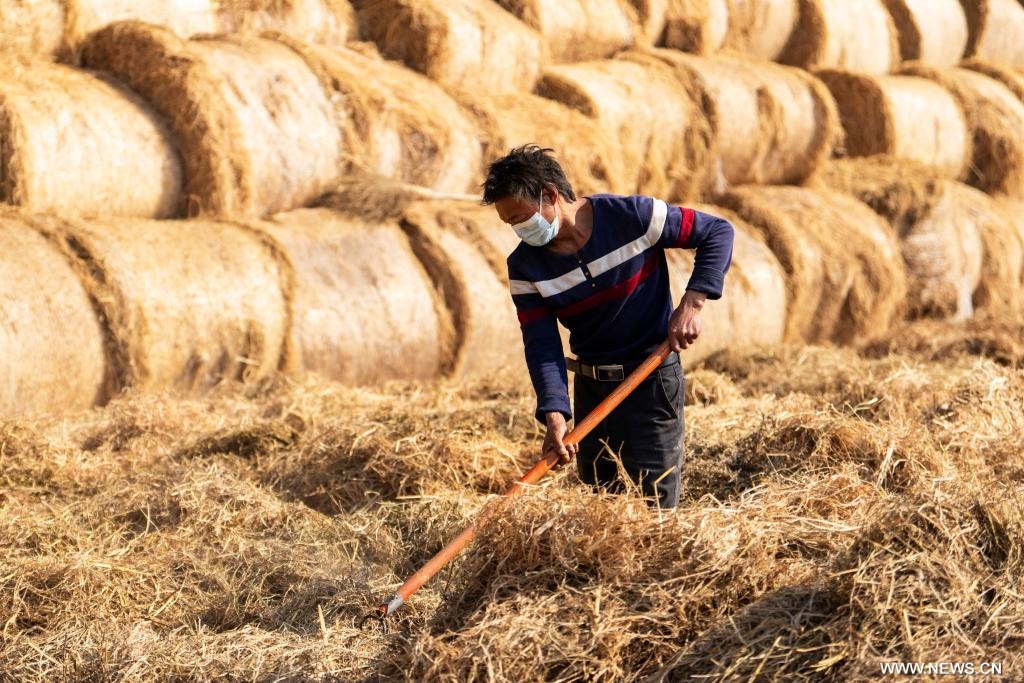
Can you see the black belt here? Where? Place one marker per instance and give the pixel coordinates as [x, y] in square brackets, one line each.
[612, 373]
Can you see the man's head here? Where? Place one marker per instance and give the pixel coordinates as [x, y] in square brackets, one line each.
[526, 181]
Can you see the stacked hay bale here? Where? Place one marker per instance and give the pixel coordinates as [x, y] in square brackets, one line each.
[256, 131]
[51, 343]
[330, 22]
[1012, 78]
[591, 159]
[462, 44]
[666, 141]
[846, 279]
[941, 250]
[772, 124]
[905, 117]
[56, 28]
[930, 31]
[855, 36]
[579, 30]
[752, 311]
[76, 142]
[996, 27]
[453, 240]
[363, 309]
[188, 304]
[996, 121]
[395, 122]
[760, 29]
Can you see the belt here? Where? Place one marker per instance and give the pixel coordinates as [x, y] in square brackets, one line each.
[612, 373]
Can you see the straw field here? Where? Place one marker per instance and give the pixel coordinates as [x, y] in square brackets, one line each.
[259, 360]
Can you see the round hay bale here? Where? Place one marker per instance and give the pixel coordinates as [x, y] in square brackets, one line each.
[996, 121]
[651, 16]
[942, 253]
[1012, 78]
[329, 22]
[903, 116]
[461, 44]
[451, 241]
[846, 275]
[256, 130]
[189, 304]
[995, 29]
[184, 17]
[665, 139]
[363, 309]
[698, 26]
[396, 122]
[773, 124]
[857, 36]
[51, 342]
[1013, 209]
[579, 30]
[930, 31]
[752, 311]
[761, 29]
[591, 159]
[77, 143]
[35, 27]
[1002, 250]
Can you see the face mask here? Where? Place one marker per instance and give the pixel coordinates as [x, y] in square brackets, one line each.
[536, 230]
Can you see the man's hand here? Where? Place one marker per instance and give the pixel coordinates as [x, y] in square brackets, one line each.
[684, 325]
[553, 443]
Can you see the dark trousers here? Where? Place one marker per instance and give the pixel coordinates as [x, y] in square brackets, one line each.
[645, 431]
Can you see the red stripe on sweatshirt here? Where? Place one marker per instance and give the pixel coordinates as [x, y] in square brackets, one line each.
[532, 315]
[685, 228]
[615, 292]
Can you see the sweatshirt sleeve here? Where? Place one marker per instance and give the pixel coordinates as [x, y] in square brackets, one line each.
[710, 236]
[545, 357]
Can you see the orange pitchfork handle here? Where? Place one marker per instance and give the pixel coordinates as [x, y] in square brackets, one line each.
[438, 561]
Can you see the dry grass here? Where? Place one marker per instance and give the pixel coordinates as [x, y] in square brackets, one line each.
[842, 508]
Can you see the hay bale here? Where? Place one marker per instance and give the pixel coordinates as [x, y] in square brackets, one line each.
[183, 17]
[996, 121]
[995, 30]
[591, 159]
[256, 130]
[666, 141]
[51, 342]
[698, 26]
[999, 291]
[76, 142]
[759, 29]
[752, 311]
[579, 30]
[452, 242]
[930, 31]
[395, 122]
[857, 36]
[189, 304]
[461, 44]
[942, 252]
[902, 116]
[651, 18]
[773, 124]
[845, 274]
[363, 309]
[1012, 78]
[329, 22]
[32, 27]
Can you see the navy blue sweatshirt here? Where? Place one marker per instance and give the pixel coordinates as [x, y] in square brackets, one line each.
[613, 295]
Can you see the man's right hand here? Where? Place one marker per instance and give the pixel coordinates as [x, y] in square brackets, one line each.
[554, 440]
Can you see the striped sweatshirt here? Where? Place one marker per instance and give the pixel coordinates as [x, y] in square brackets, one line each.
[613, 294]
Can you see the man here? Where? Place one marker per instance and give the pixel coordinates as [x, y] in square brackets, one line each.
[597, 265]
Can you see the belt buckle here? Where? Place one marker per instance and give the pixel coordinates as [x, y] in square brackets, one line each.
[609, 373]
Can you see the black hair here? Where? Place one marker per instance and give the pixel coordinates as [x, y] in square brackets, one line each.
[523, 173]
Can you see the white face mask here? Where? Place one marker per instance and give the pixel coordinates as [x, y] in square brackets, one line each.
[536, 230]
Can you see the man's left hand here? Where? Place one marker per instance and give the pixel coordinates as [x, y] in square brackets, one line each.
[684, 325]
